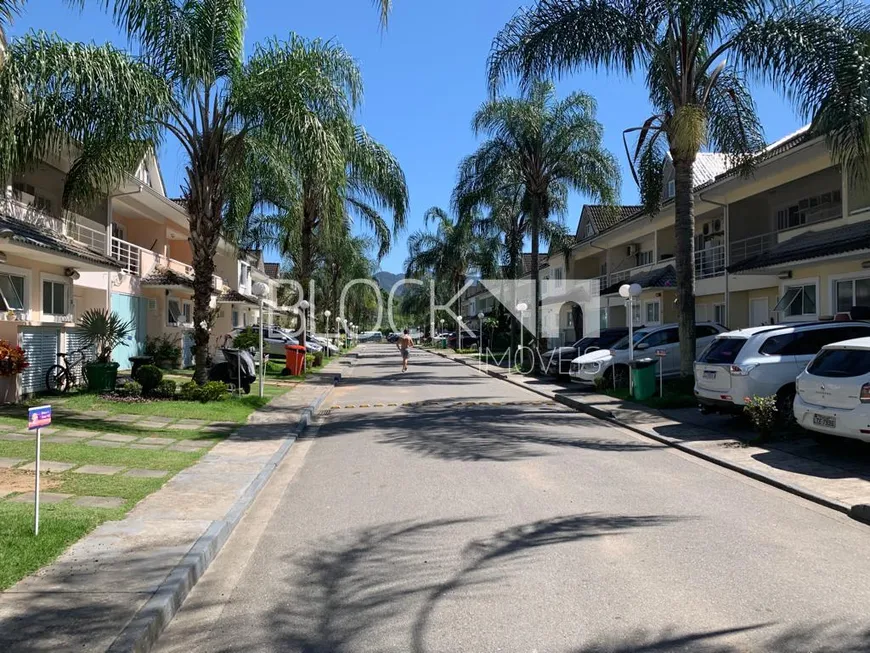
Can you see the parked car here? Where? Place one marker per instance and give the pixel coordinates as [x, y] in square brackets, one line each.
[613, 362]
[370, 336]
[325, 344]
[833, 393]
[274, 339]
[469, 340]
[558, 361]
[393, 337]
[763, 361]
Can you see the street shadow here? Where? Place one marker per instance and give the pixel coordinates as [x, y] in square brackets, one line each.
[482, 433]
[376, 588]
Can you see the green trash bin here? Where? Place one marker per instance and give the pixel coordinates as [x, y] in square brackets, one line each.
[643, 378]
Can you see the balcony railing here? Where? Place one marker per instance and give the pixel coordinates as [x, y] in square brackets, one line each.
[140, 261]
[710, 262]
[73, 226]
[753, 246]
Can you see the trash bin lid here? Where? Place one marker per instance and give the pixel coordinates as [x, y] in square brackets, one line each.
[294, 348]
[641, 363]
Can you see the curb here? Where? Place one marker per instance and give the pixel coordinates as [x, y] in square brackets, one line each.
[142, 631]
[858, 512]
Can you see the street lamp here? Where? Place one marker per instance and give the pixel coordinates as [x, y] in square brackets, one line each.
[522, 307]
[629, 293]
[260, 290]
[304, 306]
[326, 314]
[338, 332]
[459, 333]
[480, 338]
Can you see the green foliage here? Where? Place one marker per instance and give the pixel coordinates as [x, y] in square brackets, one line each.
[150, 377]
[165, 350]
[211, 391]
[130, 389]
[247, 339]
[165, 389]
[762, 414]
[104, 330]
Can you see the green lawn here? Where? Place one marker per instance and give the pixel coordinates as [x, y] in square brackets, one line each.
[22, 553]
[232, 409]
[83, 454]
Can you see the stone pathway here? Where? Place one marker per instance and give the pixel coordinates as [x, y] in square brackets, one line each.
[117, 440]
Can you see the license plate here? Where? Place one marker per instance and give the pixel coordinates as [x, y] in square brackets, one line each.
[709, 374]
[824, 420]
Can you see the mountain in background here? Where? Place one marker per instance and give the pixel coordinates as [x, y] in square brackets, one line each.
[387, 279]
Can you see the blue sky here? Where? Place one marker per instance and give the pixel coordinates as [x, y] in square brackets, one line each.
[424, 78]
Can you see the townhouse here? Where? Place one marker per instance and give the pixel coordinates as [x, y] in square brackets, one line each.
[789, 242]
[130, 253]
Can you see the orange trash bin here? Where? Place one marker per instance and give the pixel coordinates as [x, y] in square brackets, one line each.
[295, 359]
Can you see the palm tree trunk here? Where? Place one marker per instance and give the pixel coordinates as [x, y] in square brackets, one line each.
[537, 218]
[306, 262]
[684, 235]
[204, 235]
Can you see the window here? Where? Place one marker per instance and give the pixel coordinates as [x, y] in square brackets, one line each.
[852, 292]
[119, 231]
[602, 317]
[187, 309]
[810, 209]
[705, 331]
[244, 275]
[557, 276]
[777, 345]
[635, 313]
[173, 311]
[841, 363]
[797, 301]
[12, 292]
[653, 312]
[663, 337]
[722, 351]
[54, 298]
[672, 189]
[719, 313]
[809, 342]
[235, 319]
[644, 258]
[20, 191]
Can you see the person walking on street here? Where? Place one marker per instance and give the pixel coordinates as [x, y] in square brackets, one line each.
[404, 344]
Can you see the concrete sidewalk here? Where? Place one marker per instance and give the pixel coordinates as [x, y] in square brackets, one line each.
[838, 480]
[115, 589]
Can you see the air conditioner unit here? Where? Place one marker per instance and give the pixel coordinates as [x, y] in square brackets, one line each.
[632, 249]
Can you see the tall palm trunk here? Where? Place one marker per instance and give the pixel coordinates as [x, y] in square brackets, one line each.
[537, 217]
[684, 230]
[306, 260]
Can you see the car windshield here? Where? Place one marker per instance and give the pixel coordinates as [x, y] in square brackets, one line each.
[722, 351]
[583, 343]
[840, 363]
[623, 342]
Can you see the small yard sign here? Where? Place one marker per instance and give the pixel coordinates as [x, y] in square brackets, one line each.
[661, 353]
[38, 417]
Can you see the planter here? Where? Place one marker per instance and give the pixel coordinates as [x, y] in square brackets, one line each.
[10, 389]
[101, 376]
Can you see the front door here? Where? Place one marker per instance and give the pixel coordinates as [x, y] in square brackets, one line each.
[758, 312]
[130, 308]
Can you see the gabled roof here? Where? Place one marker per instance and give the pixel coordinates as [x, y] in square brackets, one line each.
[811, 245]
[272, 270]
[665, 277]
[235, 297]
[161, 276]
[708, 166]
[30, 235]
[602, 216]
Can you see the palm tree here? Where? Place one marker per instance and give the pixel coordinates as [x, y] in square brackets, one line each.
[450, 253]
[321, 210]
[550, 145]
[235, 117]
[814, 51]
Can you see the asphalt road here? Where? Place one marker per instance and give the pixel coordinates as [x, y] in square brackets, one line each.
[514, 524]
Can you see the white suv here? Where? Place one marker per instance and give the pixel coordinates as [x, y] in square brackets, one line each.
[763, 361]
[833, 393]
[613, 362]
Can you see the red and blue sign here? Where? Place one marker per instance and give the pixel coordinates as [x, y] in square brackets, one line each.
[38, 417]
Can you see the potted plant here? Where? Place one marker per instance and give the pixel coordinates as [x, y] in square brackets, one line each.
[13, 361]
[104, 330]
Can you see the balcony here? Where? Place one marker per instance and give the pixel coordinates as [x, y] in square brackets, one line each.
[74, 226]
[710, 262]
[753, 246]
[139, 261]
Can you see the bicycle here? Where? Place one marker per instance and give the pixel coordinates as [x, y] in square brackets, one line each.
[60, 378]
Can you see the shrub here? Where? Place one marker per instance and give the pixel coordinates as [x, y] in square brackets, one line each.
[247, 339]
[13, 359]
[165, 350]
[761, 412]
[150, 377]
[165, 389]
[130, 389]
[211, 391]
[318, 358]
